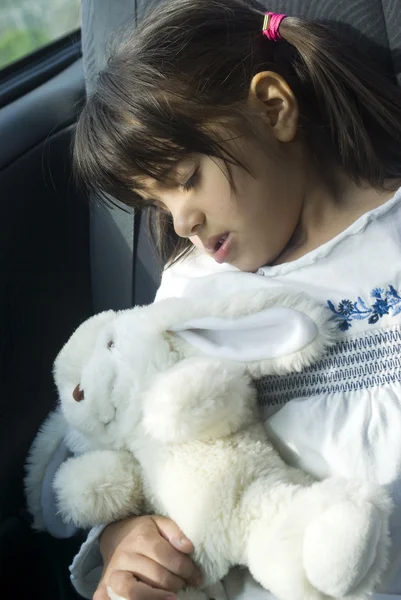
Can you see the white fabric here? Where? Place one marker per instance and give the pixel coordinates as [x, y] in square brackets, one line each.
[270, 333]
[350, 430]
[86, 568]
[240, 585]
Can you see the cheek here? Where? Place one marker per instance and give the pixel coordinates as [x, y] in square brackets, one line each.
[270, 200]
[217, 193]
[270, 212]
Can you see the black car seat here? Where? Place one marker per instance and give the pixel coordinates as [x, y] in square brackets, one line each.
[124, 269]
[123, 266]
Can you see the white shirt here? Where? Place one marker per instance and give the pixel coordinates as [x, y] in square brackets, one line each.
[342, 415]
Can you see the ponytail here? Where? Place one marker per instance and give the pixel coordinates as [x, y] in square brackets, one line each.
[357, 105]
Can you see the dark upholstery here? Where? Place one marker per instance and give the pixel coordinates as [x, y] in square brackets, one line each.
[124, 271]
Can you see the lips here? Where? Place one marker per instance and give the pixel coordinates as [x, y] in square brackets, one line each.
[219, 246]
[216, 242]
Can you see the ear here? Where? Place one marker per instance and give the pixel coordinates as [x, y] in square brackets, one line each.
[274, 340]
[270, 94]
[47, 452]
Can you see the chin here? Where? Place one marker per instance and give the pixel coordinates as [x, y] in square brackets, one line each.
[248, 266]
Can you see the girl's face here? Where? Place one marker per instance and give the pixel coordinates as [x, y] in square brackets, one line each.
[247, 225]
[250, 223]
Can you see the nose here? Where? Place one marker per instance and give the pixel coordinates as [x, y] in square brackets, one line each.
[187, 221]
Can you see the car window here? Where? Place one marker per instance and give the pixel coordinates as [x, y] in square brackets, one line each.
[27, 25]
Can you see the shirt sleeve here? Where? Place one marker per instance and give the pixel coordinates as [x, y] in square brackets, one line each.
[86, 568]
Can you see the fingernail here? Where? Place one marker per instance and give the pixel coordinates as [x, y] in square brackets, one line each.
[182, 541]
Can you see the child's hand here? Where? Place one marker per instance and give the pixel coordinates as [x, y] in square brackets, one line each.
[145, 558]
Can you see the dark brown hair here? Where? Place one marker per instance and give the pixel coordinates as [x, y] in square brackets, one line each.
[189, 65]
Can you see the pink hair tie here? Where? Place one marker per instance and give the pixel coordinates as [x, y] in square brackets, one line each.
[271, 26]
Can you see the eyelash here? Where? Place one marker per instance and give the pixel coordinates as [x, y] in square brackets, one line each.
[191, 182]
[187, 186]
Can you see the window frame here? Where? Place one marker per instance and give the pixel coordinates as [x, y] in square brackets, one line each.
[23, 75]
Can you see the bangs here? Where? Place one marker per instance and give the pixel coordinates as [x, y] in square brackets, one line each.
[118, 143]
[168, 92]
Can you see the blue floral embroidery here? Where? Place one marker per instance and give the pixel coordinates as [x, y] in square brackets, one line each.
[384, 302]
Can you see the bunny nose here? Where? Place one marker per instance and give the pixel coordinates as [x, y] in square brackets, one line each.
[78, 394]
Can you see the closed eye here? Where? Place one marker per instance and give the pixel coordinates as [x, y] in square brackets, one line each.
[192, 181]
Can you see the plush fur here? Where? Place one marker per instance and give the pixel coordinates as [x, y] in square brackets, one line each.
[80, 482]
[160, 427]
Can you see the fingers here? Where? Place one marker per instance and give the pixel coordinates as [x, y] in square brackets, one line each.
[101, 593]
[173, 534]
[151, 551]
[152, 573]
[165, 554]
[123, 586]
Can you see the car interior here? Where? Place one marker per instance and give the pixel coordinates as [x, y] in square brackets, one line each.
[65, 257]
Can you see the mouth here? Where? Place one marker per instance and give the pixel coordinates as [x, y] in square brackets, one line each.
[219, 246]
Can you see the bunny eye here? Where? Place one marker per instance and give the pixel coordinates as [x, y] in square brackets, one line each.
[78, 394]
[110, 344]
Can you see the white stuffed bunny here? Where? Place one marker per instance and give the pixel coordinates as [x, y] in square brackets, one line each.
[161, 413]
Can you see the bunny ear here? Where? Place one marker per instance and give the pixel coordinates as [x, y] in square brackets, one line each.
[271, 333]
[279, 338]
